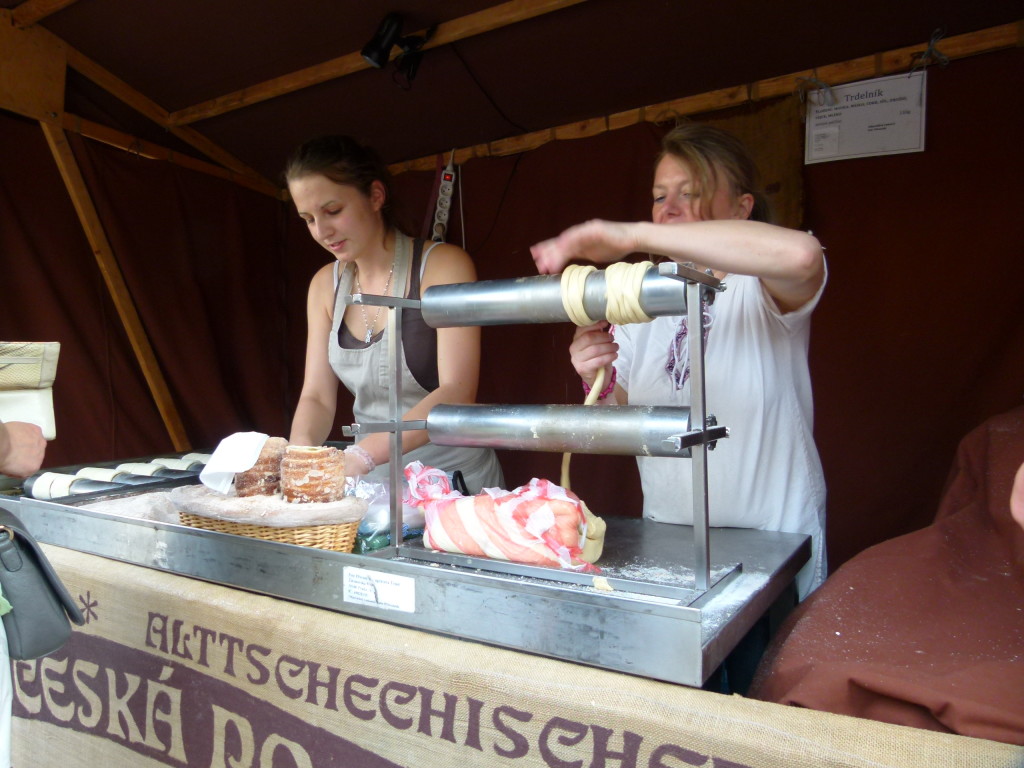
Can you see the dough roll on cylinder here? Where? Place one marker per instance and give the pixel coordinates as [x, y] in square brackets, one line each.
[638, 430]
[538, 299]
[57, 485]
[112, 475]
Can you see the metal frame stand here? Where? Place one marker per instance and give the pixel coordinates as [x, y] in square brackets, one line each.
[533, 301]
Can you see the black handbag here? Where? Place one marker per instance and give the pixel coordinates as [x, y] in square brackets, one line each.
[42, 610]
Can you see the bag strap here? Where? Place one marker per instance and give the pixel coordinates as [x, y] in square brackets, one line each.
[14, 527]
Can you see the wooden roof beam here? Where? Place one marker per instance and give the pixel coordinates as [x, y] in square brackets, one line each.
[32, 11]
[448, 32]
[145, 106]
[866, 67]
[136, 146]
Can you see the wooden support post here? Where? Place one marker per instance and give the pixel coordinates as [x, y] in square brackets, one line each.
[75, 184]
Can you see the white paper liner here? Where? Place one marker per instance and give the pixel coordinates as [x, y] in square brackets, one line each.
[235, 453]
[272, 511]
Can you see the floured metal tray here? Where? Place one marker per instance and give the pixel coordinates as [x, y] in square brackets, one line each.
[642, 616]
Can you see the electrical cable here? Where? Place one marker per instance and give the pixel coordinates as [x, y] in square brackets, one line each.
[487, 95]
[501, 203]
[462, 214]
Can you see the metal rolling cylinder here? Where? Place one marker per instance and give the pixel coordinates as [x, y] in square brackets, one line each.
[624, 430]
[539, 300]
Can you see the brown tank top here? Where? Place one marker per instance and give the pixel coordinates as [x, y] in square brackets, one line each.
[418, 339]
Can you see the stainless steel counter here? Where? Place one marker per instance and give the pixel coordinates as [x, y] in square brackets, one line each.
[651, 622]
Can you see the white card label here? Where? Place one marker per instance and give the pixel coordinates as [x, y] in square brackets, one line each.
[383, 590]
[884, 116]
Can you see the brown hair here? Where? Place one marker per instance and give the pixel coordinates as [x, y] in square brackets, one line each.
[343, 160]
[703, 149]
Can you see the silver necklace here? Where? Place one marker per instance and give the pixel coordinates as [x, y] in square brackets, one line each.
[362, 307]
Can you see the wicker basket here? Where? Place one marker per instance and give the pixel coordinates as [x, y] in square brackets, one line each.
[337, 538]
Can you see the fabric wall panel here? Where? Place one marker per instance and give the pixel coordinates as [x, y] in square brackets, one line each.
[53, 291]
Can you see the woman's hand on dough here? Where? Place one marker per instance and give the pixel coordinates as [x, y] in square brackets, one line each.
[597, 241]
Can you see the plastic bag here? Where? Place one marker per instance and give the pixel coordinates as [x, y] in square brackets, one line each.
[375, 530]
[539, 523]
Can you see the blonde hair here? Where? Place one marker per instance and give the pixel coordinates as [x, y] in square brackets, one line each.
[708, 151]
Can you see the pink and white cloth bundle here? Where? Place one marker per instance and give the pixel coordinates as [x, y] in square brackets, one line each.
[538, 524]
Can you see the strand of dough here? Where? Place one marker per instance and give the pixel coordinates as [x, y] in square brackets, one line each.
[623, 283]
[622, 286]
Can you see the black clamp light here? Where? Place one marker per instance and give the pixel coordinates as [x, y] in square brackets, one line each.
[377, 52]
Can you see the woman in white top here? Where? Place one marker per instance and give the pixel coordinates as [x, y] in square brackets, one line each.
[707, 212]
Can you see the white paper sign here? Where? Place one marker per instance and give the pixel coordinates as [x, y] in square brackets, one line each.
[384, 590]
[884, 116]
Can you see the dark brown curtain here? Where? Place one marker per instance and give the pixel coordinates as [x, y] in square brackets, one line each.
[53, 291]
[203, 260]
[919, 336]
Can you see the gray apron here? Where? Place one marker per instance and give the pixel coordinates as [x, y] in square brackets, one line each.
[366, 374]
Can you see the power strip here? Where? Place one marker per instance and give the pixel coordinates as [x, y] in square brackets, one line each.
[444, 201]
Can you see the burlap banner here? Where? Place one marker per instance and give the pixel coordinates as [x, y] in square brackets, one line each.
[173, 671]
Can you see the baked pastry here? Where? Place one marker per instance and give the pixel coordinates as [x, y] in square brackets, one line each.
[264, 478]
[312, 473]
